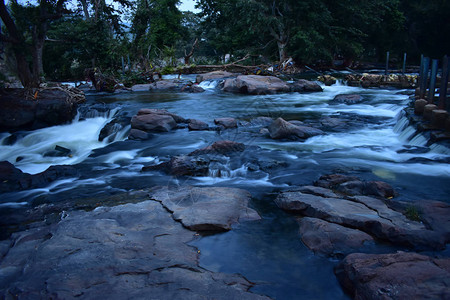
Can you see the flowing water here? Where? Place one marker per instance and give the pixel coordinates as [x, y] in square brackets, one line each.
[376, 143]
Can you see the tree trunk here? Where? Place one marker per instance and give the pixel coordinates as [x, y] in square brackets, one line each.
[23, 71]
[282, 50]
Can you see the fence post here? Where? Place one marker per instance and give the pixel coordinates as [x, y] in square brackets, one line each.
[424, 77]
[444, 83]
[387, 63]
[404, 64]
[434, 68]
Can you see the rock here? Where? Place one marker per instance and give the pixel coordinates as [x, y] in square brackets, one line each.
[332, 181]
[438, 117]
[141, 87]
[153, 123]
[261, 121]
[331, 239]
[419, 106]
[192, 88]
[367, 214]
[132, 251]
[47, 107]
[427, 111]
[13, 179]
[281, 129]
[183, 166]
[395, 276]
[147, 111]
[206, 209]
[197, 125]
[255, 85]
[335, 124]
[348, 99]
[167, 85]
[224, 147]
[305, 86]
[137, 134]
[111, 129]
[214, 76]
[435, 215]
[327, 79]
[226, 123]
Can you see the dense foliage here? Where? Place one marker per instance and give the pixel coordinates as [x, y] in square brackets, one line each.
[60, 39]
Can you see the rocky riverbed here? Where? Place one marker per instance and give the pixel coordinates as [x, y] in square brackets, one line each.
[264, 192]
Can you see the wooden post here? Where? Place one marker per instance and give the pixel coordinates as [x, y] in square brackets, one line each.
[387, 63]
[444, 83]
[424, 78]
[434, 69]
[404, 64]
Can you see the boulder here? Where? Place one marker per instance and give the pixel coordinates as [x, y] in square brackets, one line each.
[367, 214]
[206, 209]
[348, 99]
[331, 239]
[395, 276]
[255, 85]
[47, 107]
[166, 85]
[156, 111]
[226, 123]
[196, 125]
[419, 106]
[153, 123]
[328, 80]
[192, 88]
[110, 130]
[141, 87]
[428, 110]
[131, 251]
[216, 75]
[136, 134]
[13, 179]
[281, 129]
[305, 86]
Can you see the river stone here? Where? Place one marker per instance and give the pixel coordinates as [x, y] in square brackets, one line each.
[153, 123]
[395, 276]
[331, 239]
[214, 76]
[226, 123]
[348, 99]
[281, 129]
[195, 125]
[167, 85]
[305, 86]
[147, 111]
[208, 208]
[438, 117]
[367, 214]
[141, 87]
[255, 85]
[132, 251]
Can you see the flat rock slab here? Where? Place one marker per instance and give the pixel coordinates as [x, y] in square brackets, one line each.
[132, 251]
[216, 75]
[395, 276]
[331, 239]
[367, 214]
[208, 208]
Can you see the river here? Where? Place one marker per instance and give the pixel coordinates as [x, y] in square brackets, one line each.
[375, 143]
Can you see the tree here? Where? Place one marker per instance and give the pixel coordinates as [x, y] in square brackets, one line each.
[24, 22]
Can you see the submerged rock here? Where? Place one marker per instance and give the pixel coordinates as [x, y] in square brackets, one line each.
[183, 165]
[395, 276]
[224, 147]
[331, 239]
[128, 251]
[348, 99]
[208, 208]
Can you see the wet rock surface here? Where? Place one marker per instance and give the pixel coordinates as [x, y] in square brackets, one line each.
[281, 129]
[255, 85]
[126, 251]
[368, 214]
[216, 75]
[43, 108]
[348, 99]
[395, 276]
[149, 121]
[305, 86]
[207, 208]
